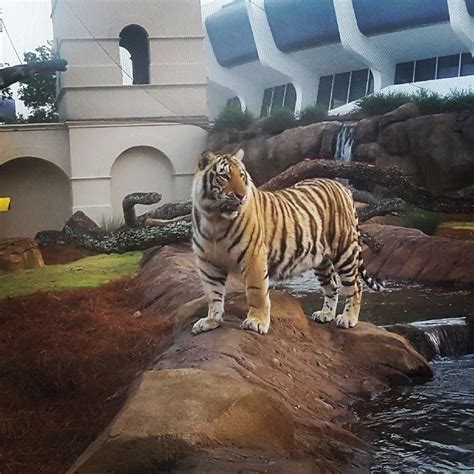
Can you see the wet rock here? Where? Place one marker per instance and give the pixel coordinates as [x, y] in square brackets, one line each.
[468, 130]
[19, 254]
[367, 130]
[409, 254]
[445, 158]
[416, 337]
[402, 113]
[174, 413]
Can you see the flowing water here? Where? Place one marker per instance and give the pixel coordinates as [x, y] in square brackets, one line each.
[426, 428]
[344, 142]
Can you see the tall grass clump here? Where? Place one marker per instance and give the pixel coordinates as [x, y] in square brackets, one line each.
[420, 219]
[428, 102]
[111, 223]
[233, 117]
[313, 114]
[279, 120]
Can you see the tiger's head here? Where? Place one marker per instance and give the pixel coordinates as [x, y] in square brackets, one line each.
[221, 185]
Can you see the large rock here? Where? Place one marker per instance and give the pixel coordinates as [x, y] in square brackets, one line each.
[367, 130]
[230, 400]
[402, 113]
[409, 254]
[267, 156]
[19, 254]
[174, 413]
[444, 156]
[394, 139]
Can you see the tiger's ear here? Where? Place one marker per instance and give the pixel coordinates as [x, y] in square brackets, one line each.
[206, 158]
[239, 154]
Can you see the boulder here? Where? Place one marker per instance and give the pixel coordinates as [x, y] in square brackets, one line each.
[19, 254]
[468, 130]
[394, 139]
[445, 158]
[81, 222]
[409, 254]
[174, 413]
[367, 130]
[402, 113]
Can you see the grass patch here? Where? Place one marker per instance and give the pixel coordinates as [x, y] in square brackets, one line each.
[88, 272]
[426, 221]
[233, 117]
[428, 102]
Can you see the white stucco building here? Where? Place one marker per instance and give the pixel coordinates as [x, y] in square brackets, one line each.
[114, 137]
[295, 53]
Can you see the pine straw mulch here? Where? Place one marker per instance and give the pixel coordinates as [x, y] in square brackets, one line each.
[66, 361]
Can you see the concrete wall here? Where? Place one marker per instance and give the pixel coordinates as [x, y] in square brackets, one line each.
[41, 197]
[92, 86]
[165, 156]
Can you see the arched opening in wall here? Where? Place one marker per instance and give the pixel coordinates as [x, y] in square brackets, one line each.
[40, 197]
[135, 54]
[141, 169]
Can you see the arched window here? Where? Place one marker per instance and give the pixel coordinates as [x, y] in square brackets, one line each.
[134, 39]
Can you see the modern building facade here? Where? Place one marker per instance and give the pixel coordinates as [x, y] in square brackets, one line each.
[267, 54]
[119, 132]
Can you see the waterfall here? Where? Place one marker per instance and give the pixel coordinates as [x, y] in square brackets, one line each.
[449, 337]
[344, 142]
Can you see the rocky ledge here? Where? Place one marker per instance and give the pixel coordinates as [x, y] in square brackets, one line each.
[409, 254]
[231, 400]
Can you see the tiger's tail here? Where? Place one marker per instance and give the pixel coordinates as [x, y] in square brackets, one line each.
[371, 282]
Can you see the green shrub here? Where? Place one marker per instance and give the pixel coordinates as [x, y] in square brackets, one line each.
[313, 114]
[428, 102]
[233, 117]
[426, 221]
[278, 121]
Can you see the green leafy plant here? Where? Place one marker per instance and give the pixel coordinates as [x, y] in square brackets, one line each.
[38, 92]
[233, 117]
[278, 121]
[313, 114]
[428, 102]
[420, 219]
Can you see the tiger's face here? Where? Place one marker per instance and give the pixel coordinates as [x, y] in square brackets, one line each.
[221, 184]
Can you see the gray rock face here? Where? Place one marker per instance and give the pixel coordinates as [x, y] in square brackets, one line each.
[404, 112]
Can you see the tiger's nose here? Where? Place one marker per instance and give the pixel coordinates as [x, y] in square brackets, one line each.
[239, 195]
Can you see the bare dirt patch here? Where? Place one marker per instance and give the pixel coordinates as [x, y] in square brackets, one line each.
[56, 254]
[66, 361]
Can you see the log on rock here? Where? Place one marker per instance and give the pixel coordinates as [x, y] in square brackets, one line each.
[126, 240]
[167, 211]
[391, 179]
[131, 200]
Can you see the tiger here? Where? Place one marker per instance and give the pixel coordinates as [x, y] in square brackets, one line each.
[236, 227]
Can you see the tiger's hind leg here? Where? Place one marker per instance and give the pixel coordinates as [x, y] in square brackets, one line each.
[352, 290]
[328, 279]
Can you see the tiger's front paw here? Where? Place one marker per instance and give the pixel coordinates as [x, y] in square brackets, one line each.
[345, 321]
[206, 324]
[256, 325]
[323, 316]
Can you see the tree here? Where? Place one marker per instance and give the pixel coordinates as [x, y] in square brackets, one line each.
[38, 92]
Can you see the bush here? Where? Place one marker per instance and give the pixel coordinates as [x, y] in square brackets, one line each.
[426, 221]
[428, 102]
[233, 117]
[313, 114]
[278, 121]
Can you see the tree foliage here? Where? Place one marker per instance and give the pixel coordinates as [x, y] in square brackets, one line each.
[38, 92]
